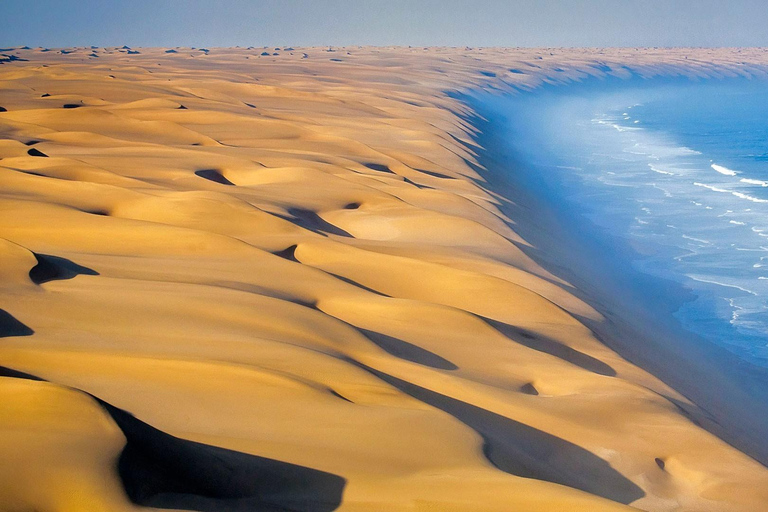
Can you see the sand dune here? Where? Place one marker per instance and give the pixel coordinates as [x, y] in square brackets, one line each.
[235, 281]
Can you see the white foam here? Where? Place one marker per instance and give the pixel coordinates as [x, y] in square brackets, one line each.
[724, 170]
[754, 182]
[710, 187]
[620, 128]
[749, 198]
[732, 192]
[697, 240]
[666, 192]
[726, 285]
[660, 171]
[735, 313]
[738, 223]
[658, 151]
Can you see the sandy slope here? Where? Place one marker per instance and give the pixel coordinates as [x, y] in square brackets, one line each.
[289, 270]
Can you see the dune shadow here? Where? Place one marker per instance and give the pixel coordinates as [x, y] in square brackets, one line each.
[11, 58]
[159, 470]
[418, 185]
[310, 220]
[436, 174]
[36, 152]
[356, 284]
[289, 253]
[16, 374]
[407, 351]
[9, 326]
[552, 347]
[378, 167]
[522, 450]
[213, 175]
[162, 471]
[50, 268]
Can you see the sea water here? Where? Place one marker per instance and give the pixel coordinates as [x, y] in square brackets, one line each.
[679, 172]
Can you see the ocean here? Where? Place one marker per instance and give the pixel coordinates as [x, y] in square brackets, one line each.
[677, 171]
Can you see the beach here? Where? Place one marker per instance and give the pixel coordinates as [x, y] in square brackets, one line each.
[298, 279]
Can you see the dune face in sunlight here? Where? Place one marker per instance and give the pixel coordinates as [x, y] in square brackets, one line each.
[237, 281]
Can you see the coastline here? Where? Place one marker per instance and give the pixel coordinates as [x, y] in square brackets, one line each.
[732, 393]
[301, 271]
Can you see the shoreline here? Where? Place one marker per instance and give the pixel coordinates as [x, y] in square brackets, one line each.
[732, 393]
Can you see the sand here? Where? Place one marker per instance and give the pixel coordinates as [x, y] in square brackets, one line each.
[235, 281]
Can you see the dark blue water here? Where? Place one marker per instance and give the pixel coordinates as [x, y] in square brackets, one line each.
[680, 173]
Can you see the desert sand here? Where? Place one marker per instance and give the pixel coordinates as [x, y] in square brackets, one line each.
[280, 279]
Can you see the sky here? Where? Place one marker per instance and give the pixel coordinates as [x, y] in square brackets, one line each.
[215, 23]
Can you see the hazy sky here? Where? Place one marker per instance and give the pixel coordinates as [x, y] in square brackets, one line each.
[208, 23]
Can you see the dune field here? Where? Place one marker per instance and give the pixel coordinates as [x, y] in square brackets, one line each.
[281, 279]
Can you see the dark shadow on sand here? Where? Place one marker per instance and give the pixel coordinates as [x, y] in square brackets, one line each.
[408, 351]
[356, 284]
[9, 326]
[162, 471]
[378, 167]
[50, 268]
[289, 253]
[436, 174]
[552, 347]
[524, 451]
[213, 175]
[36, 152]
[310, 220]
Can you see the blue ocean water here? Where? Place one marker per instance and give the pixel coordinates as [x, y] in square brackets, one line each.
[680, 172]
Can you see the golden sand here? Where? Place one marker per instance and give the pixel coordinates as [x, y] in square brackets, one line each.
[289, 271]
